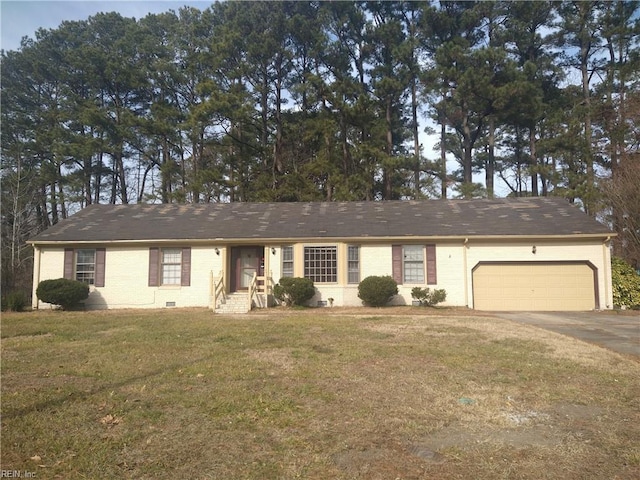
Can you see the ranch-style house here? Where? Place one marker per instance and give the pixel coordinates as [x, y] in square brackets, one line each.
[502, 254]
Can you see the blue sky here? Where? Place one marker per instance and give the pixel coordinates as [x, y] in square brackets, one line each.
[23, 17]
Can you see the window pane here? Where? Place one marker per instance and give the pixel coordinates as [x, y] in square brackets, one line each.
[320, 264]
[287, 261]
[354, 264]
[171, 274]
[171, 268]
[86, 256]
[172, 255]
[86, 266]
[413, 264]
[413, 253]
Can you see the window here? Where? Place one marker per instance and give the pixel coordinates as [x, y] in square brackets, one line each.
[413, 266]
[353, 266]
[169, 266]
[320, 264]
[408, 263]
[86, 266]
[287, 261]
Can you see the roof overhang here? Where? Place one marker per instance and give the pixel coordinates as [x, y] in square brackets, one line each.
[361, 239]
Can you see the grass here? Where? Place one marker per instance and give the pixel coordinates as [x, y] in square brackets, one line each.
[311, 394]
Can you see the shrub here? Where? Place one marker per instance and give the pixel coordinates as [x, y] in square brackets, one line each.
[429, 297]
[626, 284]
[294, 290]
[15, 301]
[61, 291]
[377, 291]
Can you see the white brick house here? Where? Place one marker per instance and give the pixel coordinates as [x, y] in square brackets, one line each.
[504, 254]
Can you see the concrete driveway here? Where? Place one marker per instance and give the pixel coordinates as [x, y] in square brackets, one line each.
[619, 332]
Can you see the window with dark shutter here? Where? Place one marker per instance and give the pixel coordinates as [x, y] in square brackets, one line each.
[396, 261]
[432, 274]
[154, 261]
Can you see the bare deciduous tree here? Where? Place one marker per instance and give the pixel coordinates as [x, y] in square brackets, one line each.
[623, 196]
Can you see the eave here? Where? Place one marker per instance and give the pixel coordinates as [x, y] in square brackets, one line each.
[359, 239]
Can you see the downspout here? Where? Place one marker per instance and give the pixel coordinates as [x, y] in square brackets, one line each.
[606, 262]
[36, 277]
[466, 276]
[266, 273]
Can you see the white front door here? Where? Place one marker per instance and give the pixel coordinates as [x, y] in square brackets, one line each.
[248, 265]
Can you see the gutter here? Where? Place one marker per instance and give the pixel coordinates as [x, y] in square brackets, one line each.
[36, 277]
[606, 262]
[465, 247]
[320, 239]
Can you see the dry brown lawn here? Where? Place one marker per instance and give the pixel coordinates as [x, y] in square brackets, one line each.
[402, 393]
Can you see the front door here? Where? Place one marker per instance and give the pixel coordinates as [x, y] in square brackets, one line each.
[247, 261]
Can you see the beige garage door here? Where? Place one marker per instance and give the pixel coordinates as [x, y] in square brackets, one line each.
[534, 286]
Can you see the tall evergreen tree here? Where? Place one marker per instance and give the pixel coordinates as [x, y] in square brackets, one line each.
[579, 34]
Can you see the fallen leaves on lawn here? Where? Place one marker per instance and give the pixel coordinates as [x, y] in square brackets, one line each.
[110, 420]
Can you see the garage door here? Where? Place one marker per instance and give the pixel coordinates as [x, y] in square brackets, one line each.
[534, 286]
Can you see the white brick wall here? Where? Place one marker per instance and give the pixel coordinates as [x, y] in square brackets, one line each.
[126, 271]
[126, 279]
[456, 279]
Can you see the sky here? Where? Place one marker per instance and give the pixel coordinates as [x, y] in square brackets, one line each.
[23, 17]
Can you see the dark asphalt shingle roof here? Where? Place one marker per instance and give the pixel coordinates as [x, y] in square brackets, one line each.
[427, 218]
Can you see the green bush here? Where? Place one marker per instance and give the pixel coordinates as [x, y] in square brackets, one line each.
[15, 301]
[377, 291]
[294, 290]
[61, 291]
[429, 297]
[626, 284]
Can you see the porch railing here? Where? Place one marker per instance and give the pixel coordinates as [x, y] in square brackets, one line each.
[260, 285]
[217, 288]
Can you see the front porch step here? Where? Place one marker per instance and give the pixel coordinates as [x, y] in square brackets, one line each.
[233, 303]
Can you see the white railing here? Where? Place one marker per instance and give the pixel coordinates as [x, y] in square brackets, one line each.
[253, 288]
[260, 285]
[217, 289]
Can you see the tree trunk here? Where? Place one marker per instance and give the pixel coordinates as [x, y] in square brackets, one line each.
[588, 155]
[443, 160]
[491, 159]
[388, 171]
[533, 161]
[467, 161]
[416, 139]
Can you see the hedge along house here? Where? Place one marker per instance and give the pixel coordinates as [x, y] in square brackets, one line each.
[503, 254]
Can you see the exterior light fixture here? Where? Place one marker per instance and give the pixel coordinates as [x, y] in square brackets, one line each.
[534, 249]
[273, 251]
[217, 251]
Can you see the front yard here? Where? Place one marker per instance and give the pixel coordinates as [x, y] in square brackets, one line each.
[322, 393]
